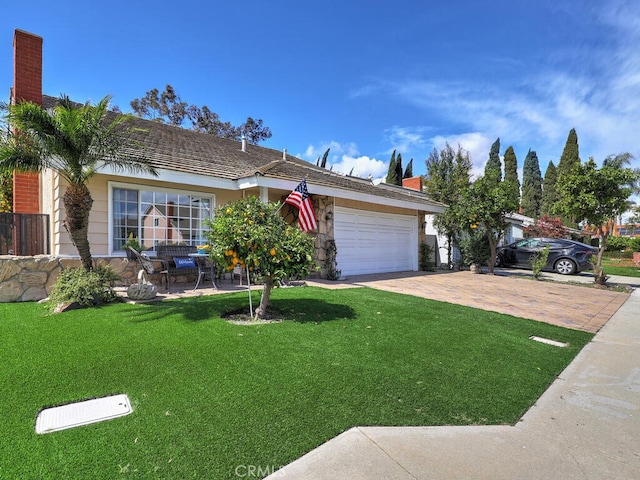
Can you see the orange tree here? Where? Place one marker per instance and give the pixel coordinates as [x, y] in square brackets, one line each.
[251, 234]
[593, 196]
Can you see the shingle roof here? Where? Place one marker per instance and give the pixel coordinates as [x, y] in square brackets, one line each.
[177, 149]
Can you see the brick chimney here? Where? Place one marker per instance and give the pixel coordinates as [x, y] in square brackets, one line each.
[414, 183]
[27, 86]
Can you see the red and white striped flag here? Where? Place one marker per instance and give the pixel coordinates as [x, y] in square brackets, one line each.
[299, 198]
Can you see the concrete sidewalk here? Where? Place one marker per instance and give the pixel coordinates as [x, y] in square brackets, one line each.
[585, 426]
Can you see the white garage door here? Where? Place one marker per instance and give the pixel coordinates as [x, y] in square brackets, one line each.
[370, 242]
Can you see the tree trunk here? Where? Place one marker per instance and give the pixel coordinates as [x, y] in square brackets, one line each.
[77, 203]
[599, 277]
[261, 311]
[598, 272]
[493, 245]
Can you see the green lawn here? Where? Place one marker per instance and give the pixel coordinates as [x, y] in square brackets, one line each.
[626, 271]
[209, 396]
[615, 265]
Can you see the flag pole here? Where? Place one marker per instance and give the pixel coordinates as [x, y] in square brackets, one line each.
[282, 204]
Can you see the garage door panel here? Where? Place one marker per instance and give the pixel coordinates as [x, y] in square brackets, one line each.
[369, 242]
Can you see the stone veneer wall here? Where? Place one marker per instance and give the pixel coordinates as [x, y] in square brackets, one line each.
[324, 206]
[26, 279]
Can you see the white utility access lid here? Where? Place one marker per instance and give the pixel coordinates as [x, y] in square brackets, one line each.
[82, 413]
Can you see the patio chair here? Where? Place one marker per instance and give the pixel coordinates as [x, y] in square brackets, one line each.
[147, 265]
[240, 273]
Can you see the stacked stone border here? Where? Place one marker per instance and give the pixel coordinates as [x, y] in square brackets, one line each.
[28, 279]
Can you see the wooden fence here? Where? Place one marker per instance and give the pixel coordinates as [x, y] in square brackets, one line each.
[24, 234]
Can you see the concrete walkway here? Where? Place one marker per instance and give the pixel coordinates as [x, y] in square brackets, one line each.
[585, 426]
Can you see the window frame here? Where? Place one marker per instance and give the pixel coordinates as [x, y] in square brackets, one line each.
[140, 188]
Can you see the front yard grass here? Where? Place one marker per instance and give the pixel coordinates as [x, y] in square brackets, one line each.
[210, 397]
[620, 266]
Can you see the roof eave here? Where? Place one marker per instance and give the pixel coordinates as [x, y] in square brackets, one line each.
[283, 184]
[175, 176]
[254, 181]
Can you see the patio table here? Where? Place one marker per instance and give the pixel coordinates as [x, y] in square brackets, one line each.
[204, 262]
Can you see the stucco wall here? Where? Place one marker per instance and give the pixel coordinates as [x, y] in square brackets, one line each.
[99, 217]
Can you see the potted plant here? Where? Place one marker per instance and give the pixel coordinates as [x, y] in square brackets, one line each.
[203, 249]
[133, 243]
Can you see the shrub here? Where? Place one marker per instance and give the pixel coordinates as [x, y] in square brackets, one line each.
[539, 261]
[425, 260]
[6, 191]
[546, 226]
[634, 244]
[618, 243]
[87, 288]
[475, 248]
[618, 254]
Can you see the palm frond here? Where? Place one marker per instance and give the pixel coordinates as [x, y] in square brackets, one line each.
[74, 139]
[18, 152]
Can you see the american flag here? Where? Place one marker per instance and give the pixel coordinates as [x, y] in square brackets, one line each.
[299, 198]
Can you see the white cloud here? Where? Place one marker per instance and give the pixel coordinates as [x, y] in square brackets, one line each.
[345, 158]
[594, 89]
[406, 139]
[362, 166]
[476, 143]
[313, 152]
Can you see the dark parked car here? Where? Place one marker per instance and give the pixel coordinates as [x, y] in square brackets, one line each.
[565, 256]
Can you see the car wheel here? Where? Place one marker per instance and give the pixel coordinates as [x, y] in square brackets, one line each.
[499, 261]
[565, 266]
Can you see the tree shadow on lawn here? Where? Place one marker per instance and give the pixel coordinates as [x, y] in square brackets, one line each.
[197, 309]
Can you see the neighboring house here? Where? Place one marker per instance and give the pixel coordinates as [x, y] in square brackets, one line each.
[515, 230]
[375, 228]
[631, 230]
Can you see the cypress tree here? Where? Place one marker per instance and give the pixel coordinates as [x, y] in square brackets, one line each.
[549, 194]
[448, 177]
[511, 174]
[408, 171]
[493, 167]
[399, 170]
[531, 186]
[570, 155]
[323, 163]
[391, 173]
[569, 161]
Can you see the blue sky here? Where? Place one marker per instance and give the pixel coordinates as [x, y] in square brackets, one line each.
[361, 77]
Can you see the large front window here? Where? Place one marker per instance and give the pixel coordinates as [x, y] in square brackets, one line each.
[157, 217]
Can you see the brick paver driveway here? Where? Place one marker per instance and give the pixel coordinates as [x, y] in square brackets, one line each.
[573, 306]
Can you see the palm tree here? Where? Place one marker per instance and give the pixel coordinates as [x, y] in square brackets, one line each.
[76, 141]
[618, 161]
